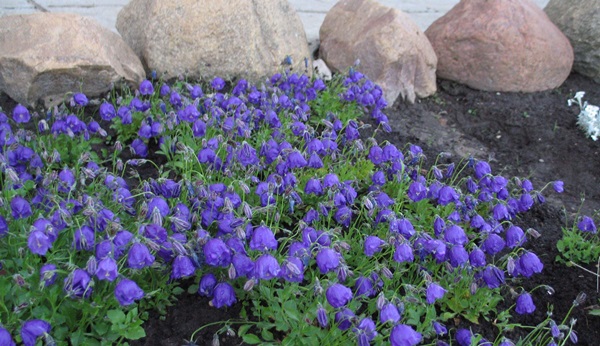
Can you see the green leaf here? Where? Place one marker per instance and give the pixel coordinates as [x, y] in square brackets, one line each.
[595, 312]
[251, 339]
[135, 333]
[242, 330]
[116, 316]
[266, 335]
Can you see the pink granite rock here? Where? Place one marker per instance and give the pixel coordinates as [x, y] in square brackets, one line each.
[500, 45]
[392, 50]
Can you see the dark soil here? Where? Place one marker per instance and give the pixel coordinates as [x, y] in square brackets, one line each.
[531, 135]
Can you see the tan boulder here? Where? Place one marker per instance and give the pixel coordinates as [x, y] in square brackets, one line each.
[392, 50]
[46, 55]
[580, 22]
[500, 45]
[207, 38]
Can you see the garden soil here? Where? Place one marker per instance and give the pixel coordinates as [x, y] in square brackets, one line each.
[533, 135]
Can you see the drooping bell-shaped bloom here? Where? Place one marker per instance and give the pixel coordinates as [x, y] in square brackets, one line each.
[500, 212]
[139, 147]
[217, 83]
[77, 284]
[20, 208]
[587, 225]
[515, 236]
[21, 114]
[127, 292]
[3, 226]
[292, 269]
[373, 245]
[207, 285]
[439, 328]
[80, 99]
[434, 292]
[447, 195]
[6, 338]
[417, 191]
[455, 235]
[343, 216]
[223, 295]
[182, 267]
[493, 276]
[528, 264]
[404, 335]
[327, 260]
[477, 258]
[32, 330]
[322, 317]
[463, 337]
[217, 253]
[266, 267]
[38, 243]
[246, 155]
[404, 253]
[158, 205]
[338, 295]
[263, 239]
[389, 312]
[107, 111]
[84, 238]
[457, 255]
[493, 244]
[47, 274]
[482, 168]
[365, 331]
[146, 88]
[66, 180]
[364, 286]
[343, 318]
[107, 269]
[558, 186]
[525, 304]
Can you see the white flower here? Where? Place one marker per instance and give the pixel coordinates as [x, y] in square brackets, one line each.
[589, 116]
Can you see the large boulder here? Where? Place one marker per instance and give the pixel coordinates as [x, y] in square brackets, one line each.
[46, 55]
[500, 45]
[207, 38]
[392, 50]
[580, 22]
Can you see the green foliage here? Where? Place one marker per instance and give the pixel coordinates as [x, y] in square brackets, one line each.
[578, 247]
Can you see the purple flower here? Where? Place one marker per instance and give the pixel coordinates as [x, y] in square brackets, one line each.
[292, 270]
[403, 335]
[266, 267]
[182, 266]
[246, 155]
[455, 235]
[558, 186]
[515, 237]
[447, 195]
[373, 245]
[66, 180]
[529, 264]
[217, 253]
[500, 212]
[5, 338]
[493, 244]
[206, 285]
[343, 216]
[21, 114]
[223, 295]
[107, 111]
[338, 295]
[33, 329]
[525, 304]
[3, 226]
[146, 88]
[403, 253]
[477, 258]
[364, 286]
[365, 331]
[439, 328]
[417, 191]
[77, 284]
[389, 312]
[107, 269]
[587, 225]
[327, 260]
[217, 83]
[263, 239]
[434, 292]
[482, 168]
[84, 238]
[47, 275]
[127, 292]
[157, 205]
[20, 208]
[344, 318]
[463, 337]
[457, 255]
[139, 148]
[80, 99]
[322, 317]
[492, 276]
[38, 243]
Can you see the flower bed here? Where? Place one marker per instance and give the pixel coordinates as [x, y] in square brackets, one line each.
[265, 195]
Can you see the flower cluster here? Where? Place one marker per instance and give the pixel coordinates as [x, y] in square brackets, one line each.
[257, 187]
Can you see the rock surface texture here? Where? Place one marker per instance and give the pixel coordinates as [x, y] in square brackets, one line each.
[580, 22]
[392, 50]
[207, 38]
[44, 56]
[500, 45]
